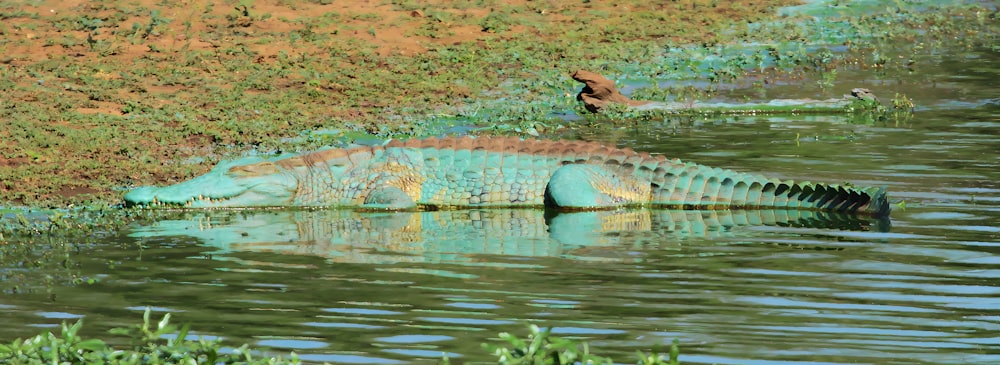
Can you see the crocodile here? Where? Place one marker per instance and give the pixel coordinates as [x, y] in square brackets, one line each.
[450, 172]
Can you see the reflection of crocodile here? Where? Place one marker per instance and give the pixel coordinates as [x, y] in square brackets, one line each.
[498, 172]
[453, 235]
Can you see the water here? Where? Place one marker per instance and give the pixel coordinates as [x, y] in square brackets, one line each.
[768, 287]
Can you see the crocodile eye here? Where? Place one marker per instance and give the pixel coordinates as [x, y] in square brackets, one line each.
[257, 169]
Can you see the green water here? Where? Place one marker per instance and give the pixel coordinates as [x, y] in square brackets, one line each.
[735, 287]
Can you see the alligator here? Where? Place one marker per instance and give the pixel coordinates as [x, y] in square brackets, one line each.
[451, 172]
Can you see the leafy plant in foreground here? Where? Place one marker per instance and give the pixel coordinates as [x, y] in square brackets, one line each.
[152, 344]
[542, 348]
[162, 343]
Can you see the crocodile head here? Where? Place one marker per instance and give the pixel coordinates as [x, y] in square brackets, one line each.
[249, 182]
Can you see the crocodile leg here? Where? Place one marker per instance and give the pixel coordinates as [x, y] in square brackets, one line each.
[389, 197]
[393, 186]
[580, 186]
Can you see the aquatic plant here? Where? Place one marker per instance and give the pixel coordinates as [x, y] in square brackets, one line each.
[541, 347]
[152, 343]
[160, 342]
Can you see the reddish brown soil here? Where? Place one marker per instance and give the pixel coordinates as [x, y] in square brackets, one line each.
[206, 26]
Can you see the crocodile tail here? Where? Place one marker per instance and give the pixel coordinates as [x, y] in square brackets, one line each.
[879, 204]
[826, 197]
[861, 200]
[689, 184]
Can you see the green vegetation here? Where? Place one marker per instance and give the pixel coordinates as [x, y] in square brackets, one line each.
[163, 343]
[540, 347]
[101, 97]
[152, 343]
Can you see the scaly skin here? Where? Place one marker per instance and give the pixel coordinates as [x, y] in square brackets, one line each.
[497, 172]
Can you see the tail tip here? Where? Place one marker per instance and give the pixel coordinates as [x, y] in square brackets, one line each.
[878, 203]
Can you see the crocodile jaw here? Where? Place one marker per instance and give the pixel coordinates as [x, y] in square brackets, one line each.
[261, 195]
[235, 184]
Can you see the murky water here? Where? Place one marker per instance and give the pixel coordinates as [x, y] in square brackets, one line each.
[767, 287]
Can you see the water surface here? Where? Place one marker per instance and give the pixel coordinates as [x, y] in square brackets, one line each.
[767, 287]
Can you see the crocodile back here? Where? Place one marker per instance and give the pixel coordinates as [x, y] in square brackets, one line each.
[509, 171]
